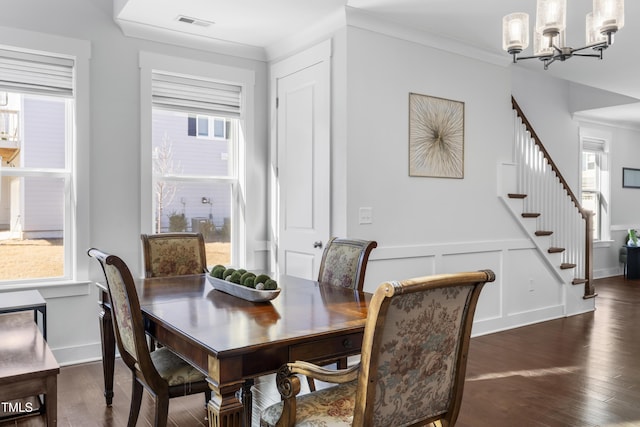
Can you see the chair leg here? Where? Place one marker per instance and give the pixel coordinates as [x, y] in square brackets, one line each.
[162, 410]
[136, 401]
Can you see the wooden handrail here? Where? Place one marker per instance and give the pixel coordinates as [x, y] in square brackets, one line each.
[587, 215]
[544, 151]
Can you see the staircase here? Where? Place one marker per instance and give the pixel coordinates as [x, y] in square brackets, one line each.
[540, 199]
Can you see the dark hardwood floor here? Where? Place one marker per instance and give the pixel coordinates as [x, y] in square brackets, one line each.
[581, 371]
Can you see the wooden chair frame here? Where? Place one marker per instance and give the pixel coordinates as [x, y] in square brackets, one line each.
[142, 367]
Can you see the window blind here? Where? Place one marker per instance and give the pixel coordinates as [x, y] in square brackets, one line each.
[195, 95]
[35, 73]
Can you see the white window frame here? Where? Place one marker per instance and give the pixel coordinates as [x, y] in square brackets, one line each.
[76, 172]
[211, 127]
[595, 139]
[242, 77]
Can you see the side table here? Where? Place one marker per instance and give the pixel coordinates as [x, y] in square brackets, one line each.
[25, 301]
[633, 262]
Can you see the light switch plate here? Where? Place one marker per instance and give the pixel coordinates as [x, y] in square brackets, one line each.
[366, 215]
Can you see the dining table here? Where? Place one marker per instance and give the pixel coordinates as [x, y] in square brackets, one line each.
[233, 340]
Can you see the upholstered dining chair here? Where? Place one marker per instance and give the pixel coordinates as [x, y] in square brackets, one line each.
[344, 262]
[173, 254]
[413, 364]
[163, 373]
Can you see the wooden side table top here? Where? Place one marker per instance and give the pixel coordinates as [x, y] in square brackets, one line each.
[23, 351]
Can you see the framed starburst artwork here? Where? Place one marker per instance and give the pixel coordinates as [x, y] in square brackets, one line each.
[436, 137]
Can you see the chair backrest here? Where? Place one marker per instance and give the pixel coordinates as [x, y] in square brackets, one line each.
[173, 254]
[344, 262]
[128, 324]
[414, 352]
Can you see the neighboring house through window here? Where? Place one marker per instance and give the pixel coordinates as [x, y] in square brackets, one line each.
[193, 154]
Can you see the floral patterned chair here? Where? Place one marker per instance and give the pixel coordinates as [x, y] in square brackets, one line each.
[412, 370]
[344, 262]
[173, 254]
[163, 373]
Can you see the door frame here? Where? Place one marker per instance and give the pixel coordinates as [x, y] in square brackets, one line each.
[316, 54]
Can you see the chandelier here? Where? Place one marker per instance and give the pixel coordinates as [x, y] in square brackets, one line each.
[549, 46]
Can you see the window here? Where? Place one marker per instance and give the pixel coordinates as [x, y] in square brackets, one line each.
[193, 152]
[194, 182]
[37, 178]
[594, 184]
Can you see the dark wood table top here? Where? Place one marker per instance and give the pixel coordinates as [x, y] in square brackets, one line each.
[226, 325]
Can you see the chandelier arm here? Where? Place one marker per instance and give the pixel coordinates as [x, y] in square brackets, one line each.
[550, 61]
[592, 55]
[600, 45]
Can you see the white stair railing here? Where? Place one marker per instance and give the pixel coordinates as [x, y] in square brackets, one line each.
[548, 194]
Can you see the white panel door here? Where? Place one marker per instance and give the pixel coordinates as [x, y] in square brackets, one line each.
[303, 144]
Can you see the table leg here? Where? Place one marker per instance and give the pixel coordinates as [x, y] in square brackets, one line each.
[51, 402]
[224, 408]
[43, 310]
[247, 401]
[108, 351]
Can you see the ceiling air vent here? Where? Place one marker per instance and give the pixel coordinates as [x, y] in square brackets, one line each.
[193, 21]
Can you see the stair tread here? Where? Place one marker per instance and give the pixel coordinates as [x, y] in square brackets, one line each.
[543, 233]
[553, 250]
[566, 266]
[578, 281]
[516, 196]
[530, 215]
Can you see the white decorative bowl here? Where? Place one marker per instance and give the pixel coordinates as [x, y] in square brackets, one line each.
[243, 292]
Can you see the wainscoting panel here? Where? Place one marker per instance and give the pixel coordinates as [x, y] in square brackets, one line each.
[524, 292]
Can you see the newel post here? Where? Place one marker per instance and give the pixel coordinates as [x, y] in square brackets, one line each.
[589, 288]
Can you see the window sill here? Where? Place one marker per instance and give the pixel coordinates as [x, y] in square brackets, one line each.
[602, 243]
[51, 289]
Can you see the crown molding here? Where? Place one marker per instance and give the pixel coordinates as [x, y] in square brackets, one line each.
[193, 41]
[321, 30]
[377, 23]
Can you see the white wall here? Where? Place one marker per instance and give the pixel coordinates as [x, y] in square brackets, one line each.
[115, 152]
[432, 225]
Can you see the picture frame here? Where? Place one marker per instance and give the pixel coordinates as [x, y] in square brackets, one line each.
[630, 178]
[436, 137]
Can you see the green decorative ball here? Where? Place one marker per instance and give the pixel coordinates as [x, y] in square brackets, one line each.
[235, 277]
[246, 276]
[228, 272]
[270, 285]
[262, 278]
[250, 282]
[218, 271]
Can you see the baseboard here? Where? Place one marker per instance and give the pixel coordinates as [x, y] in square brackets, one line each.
[607, 272]
[516, 320]
[78, 354]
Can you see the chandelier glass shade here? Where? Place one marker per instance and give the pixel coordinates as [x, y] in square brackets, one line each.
[549, 44]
